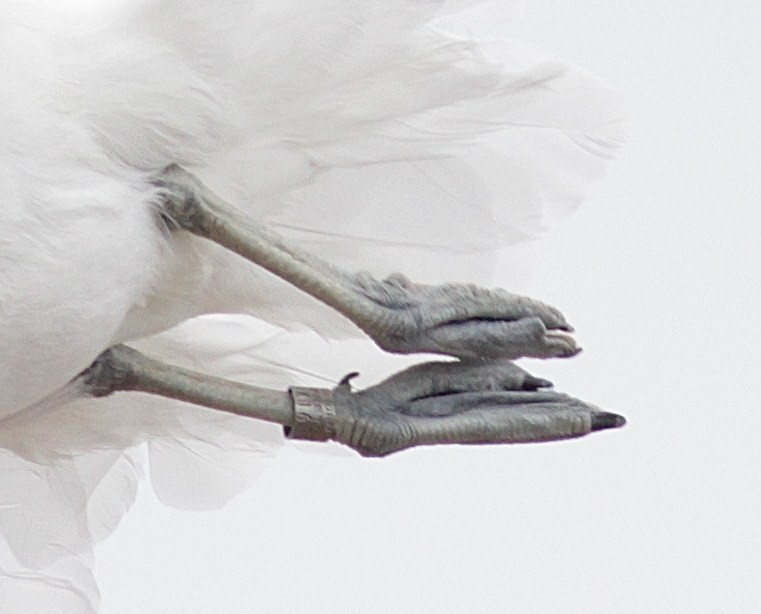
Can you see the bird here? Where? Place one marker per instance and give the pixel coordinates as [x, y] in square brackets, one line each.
[200, 189]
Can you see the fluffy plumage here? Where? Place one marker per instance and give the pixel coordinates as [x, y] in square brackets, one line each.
[359, 128]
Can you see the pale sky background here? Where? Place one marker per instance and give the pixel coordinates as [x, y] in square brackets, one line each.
[659, 272]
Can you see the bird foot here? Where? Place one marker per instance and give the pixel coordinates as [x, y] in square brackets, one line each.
[468, 402]
[463, 320]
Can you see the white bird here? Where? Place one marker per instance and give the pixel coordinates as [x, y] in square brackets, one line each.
[364, 132]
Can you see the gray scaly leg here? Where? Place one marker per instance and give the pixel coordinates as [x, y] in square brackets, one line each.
[400, 316]
[467, 402]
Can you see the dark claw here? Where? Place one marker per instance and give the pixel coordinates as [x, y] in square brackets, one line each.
[534, 383]
[607, 420]
[346, 380]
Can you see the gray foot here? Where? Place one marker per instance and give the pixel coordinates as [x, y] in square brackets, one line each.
[463, 320]
[474, 402]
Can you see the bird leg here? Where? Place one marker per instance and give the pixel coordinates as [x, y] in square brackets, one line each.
[123, 369]
[461, 320]
[466, 402]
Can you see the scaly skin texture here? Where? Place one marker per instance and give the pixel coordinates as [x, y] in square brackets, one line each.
[463, 402]
[463, 320]
[448, 402]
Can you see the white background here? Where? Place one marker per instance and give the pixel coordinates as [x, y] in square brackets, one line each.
[659, 272]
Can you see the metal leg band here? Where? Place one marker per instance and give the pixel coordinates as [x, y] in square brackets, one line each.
[314, 414]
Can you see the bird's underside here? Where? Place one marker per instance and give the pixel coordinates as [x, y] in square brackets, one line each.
[481, 398]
